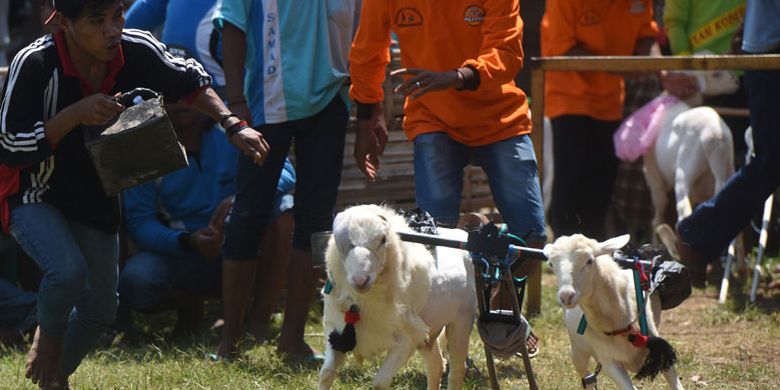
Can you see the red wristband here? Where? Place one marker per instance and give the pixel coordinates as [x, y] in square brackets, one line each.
[236, 127]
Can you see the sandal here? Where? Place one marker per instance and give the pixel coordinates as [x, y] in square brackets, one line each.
[531, 345]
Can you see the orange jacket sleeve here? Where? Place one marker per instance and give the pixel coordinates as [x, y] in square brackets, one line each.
[370, 52]
[501, 54]
[558, 28]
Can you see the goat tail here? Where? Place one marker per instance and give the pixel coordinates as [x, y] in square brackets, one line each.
[662, 356]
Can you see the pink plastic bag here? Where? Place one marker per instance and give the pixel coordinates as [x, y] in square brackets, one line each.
[637, 134]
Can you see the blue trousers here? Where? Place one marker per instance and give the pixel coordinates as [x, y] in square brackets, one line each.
[512, 173]
[17, 307]
[148, 280]
[77, 296]
[717, 221]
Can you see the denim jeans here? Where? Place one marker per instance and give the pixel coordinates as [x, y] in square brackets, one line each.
[512, 174]
[17, 307]
[148, 280]
[77, 296]
[717, 221]
[319, 152]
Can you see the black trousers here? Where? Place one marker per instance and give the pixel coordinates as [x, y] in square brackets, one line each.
[584, 174]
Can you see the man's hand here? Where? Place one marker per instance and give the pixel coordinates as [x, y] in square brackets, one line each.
[207, 242]
[250, 142]
[217, 221]
[241, 109]
[425, 81]
[678, 84]
[370, 142]
[97, 109]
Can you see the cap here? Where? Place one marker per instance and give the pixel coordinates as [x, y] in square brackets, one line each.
[60, 4]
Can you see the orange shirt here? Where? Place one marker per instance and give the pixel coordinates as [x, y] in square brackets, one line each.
[603, 27]
[442, 36]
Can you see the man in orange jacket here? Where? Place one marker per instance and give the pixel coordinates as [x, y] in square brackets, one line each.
[462, 106]
[586, 107]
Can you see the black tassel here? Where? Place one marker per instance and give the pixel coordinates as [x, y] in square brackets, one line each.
[346, 340]
[662, 356]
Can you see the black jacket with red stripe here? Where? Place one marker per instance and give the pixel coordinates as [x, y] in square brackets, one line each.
[42, 81]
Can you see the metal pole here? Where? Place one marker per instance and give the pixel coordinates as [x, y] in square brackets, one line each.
[761, 245]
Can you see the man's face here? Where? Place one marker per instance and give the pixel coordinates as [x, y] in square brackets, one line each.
[97, 32]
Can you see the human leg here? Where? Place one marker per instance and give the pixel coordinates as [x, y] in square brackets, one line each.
[715, 222]
[96, 310]
[319, 146]
[246, 223]
[585, 168]
[514, 183]
[275, 251]
[16, 309]
[438, 175]
[45, 236]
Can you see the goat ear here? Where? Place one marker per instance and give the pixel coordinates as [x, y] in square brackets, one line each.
[612, 244]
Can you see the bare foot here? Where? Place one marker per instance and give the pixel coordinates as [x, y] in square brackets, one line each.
[44, 360]
[259, 332]
[228, 346]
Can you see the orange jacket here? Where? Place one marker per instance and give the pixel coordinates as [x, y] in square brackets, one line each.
[603, 27]
[443, 36]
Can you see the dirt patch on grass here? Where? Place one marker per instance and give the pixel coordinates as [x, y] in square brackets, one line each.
[723, 336]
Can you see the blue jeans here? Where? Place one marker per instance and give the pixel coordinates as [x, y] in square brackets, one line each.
[717, 221]
[77, 295]
[512, 173]
[149, 280]
[17, 307]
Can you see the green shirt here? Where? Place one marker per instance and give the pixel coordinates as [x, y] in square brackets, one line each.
[697, 25]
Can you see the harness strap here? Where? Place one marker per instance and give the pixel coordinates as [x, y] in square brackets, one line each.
[640, 300]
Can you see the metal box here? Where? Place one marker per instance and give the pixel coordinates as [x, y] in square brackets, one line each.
[138, 146]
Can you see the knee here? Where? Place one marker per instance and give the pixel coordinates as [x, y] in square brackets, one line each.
[68, 278]
[136, 289]
[284, 224]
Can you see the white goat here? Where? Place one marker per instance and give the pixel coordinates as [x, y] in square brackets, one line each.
[590, 283]
[405, 296]
[694, 156]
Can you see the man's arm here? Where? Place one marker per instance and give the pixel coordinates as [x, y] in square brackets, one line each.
[234, 53]
[143, 225]
[367, 62]
[501, 54]
[677, 15]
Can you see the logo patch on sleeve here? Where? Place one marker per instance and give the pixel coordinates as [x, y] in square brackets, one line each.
[474, 15]
[408, 17]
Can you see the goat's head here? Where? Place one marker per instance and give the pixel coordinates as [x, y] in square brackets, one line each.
[363, 235]
[572, 260]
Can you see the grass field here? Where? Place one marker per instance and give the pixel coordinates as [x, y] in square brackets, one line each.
[734, 346]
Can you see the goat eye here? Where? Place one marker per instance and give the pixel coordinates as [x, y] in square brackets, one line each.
[590, 261]
[384, 240]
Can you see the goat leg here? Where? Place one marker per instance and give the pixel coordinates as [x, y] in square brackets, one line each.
[333, 361]
[396, 358]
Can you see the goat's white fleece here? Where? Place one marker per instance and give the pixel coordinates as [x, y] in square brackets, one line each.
[414, 294]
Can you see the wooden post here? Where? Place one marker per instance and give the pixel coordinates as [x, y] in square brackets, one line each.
[534, 283]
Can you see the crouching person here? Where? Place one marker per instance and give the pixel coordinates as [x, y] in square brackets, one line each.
[178, 221]
[52, 200]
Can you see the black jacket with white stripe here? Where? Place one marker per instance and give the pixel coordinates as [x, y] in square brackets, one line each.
[42, 81]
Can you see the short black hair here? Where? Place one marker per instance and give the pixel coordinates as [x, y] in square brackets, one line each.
[73, 9]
